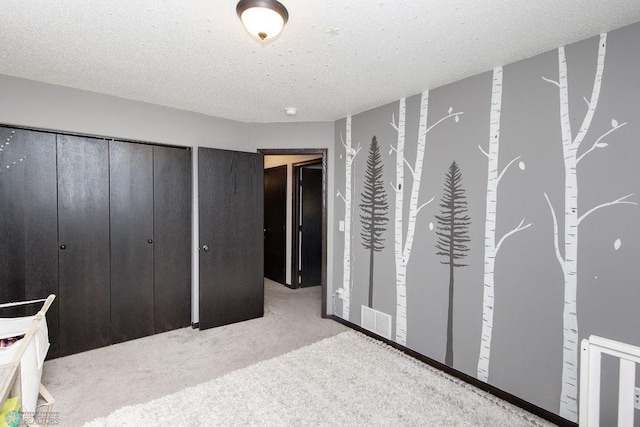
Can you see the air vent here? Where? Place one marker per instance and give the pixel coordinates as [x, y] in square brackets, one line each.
[376, 321]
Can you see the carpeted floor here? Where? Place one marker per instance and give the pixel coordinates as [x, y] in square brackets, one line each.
[95, 383]
[347, 380]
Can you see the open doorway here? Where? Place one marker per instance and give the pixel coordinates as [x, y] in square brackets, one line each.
[305, 218]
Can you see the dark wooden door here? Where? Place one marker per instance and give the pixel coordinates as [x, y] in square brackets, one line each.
[28, 223]
[83, 227]
[172, 237]
[275, 217]
[231, 236]
[311, 227]
[131, 214]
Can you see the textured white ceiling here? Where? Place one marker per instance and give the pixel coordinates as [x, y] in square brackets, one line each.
[334, 57]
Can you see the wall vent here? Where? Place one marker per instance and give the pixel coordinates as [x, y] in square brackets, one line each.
[376, 321]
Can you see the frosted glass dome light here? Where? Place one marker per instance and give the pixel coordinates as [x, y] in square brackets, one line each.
[263, 19]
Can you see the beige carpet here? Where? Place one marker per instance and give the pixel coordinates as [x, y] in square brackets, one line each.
[345, 380]
[95, 383]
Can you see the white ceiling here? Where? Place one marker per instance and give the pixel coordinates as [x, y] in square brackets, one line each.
[334, 57]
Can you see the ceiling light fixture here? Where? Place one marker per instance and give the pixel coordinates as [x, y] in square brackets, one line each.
[263, 19]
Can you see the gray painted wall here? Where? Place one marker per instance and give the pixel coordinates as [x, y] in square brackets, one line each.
[40, 105]
[526, 351]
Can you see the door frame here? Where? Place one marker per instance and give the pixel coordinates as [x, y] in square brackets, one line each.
[324, 153]
[295, 217]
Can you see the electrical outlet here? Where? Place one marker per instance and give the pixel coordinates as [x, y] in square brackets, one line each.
[341, 225]
[636, 398]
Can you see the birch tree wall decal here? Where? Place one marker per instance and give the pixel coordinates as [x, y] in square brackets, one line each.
[350, 154]
[374, 209]
[402, 243]
[490, 247]
[569, 262]
[453, 236]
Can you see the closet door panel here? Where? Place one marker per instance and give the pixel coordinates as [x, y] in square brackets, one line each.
[83, 224]
[28, 223]
[41, 229]
[172, 237]
[12, 224]
[131, 215]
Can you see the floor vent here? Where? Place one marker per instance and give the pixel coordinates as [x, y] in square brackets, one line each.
[376, 322]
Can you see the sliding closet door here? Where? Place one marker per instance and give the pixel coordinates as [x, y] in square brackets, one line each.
[83, 226]
[231, 192]
[131, 207]
[28, 223]
[172, 237]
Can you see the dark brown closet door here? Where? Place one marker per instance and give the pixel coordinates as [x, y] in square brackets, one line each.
[172, 237]
[28, 223]
[231, 212]
[131, 207]
[83, 225]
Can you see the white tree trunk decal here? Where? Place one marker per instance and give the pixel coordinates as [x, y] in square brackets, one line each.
[490, 246]
[403, 244]
[350, 154]
[569, 262]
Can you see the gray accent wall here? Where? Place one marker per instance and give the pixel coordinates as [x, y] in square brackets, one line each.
[527, 343]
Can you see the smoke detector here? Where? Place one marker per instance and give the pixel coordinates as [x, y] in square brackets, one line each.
[291, 111]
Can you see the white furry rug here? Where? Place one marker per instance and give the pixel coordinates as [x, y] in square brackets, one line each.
[348, 379]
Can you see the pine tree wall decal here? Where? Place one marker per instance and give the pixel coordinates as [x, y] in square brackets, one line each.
[404, 226]
[453, 236]
[374, 209]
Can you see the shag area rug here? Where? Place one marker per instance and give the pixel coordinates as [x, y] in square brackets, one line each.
[349, 379]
